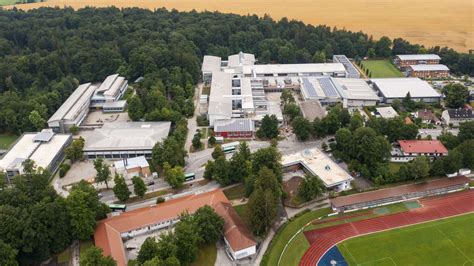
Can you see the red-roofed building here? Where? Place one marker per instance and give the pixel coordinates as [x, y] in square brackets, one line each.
[110, 232]
[409, 149]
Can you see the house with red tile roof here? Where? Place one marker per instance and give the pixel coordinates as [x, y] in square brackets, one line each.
[410, 149]
[111, 232]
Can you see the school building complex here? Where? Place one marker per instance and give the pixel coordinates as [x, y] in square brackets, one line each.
[111, 233]
[45, 149]
[421, 65]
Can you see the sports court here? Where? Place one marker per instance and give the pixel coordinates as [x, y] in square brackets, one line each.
[452, 242]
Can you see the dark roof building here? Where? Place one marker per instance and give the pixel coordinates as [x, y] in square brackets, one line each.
[457, 116]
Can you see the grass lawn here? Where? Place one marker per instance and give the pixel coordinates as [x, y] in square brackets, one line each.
[443, 242]
[203, 133]
[65, 257]
[207, 256]
[205, 90]
[85, 245]
[6, 140]
[296, 249]
[382, 69]
[236, 192]
[241, 209]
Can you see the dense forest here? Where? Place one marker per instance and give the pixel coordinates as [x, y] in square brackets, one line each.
[46, 53]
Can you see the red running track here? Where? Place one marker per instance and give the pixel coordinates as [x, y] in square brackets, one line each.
[433, 208]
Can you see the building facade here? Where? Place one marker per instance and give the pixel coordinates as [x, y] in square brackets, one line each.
[428, 71]
[239, 128]
[403, 61]
[455, 117]
[410, 149]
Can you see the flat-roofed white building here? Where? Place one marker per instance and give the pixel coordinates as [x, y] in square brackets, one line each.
[356, 92]
[320, 165]
[111, 90]
[45, 148]
[295, 70]
[73, 111]
[391, 89]
[210, 64]
[386, 112]
[328, 91]
[117, 140]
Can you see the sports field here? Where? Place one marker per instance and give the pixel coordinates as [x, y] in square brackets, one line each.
[381, 69]
[428, 22]
[442, 242]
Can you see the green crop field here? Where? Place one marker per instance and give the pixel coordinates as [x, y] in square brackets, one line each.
[381, 69]
[444, 242]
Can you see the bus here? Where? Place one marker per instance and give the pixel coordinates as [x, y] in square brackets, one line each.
[189, 176]
[230, 147]
[118, 207]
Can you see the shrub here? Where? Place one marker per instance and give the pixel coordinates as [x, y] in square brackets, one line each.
[63, 168]
[160, 200]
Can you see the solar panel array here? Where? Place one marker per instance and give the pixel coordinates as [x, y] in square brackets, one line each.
[309, 88]
[351, 70]
[328, 87]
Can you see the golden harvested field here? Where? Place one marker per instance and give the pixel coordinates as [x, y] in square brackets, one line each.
[428, 22]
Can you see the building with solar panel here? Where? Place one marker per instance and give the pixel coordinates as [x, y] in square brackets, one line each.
[329, 91]
[45, 148]
[351, 70]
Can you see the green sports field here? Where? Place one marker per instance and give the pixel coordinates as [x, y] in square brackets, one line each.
[6, 141]
[443, 242]
[382, 69]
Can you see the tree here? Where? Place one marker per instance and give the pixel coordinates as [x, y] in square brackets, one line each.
[240, 165]
[310, 187]
[75, 151]
[287, 97]
[173, 176]
[218, 152]
[120, 189]
[269, 127]
[84, 208]
[383, 47]
[221, 171]
[212, 140]
[466, 149]
[356, 121]
[449, 140]
[36, 120]
[209, 170]
[148, 250]
[371, 53]
[408, 103]
[93, 256]
[419, 167]
[209, 224]
[139, 187]
[453, 162]
[170, 151]
[302, 128]
[196, 141]
[292, 110]
[456, 95]
[7, 255]
[187, 239]
[135, 108]
[267, 157]
[466, 131]
[262, 210]
[74, 129]
[319, 57]
[167, 246]
[103, 171]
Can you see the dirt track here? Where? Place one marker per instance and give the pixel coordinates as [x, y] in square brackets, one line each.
[429, 22]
